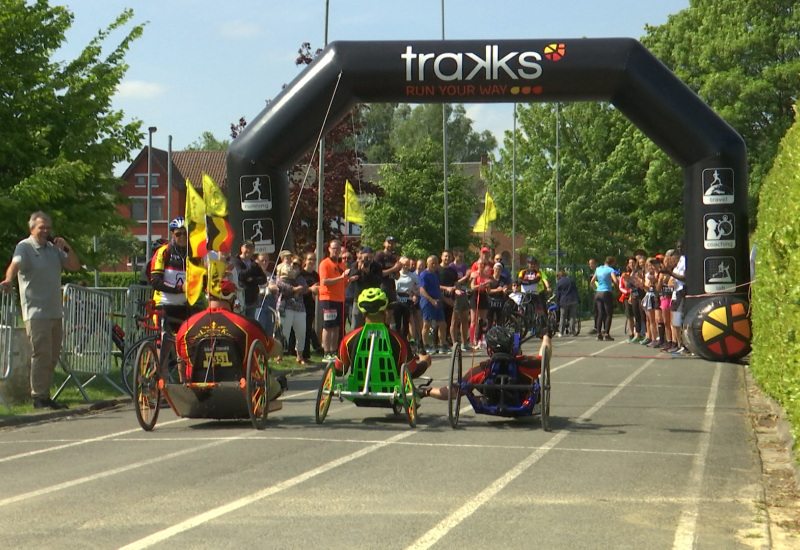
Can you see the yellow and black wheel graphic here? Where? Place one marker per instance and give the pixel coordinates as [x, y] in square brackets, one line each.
[719, 329]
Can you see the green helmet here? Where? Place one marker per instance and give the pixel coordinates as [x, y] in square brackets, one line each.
[372, 301]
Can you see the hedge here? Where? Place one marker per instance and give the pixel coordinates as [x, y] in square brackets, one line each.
[775, 361]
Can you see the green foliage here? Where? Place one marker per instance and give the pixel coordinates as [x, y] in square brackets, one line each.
[775, 293]
[412, 207]
[390, 128]
[107, 279]
[61, 138]
[208, 142]
[743, 59]
[616, 192]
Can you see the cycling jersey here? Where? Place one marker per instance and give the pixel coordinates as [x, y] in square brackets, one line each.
[529, 280]
[168, 274]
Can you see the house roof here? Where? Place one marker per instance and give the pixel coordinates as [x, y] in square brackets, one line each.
[186, 164]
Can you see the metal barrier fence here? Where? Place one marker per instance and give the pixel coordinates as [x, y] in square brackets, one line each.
[9, 315]
[86, 345]
[136, 299]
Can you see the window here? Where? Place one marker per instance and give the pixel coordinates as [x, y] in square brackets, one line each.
[139, 209]
[141, 180]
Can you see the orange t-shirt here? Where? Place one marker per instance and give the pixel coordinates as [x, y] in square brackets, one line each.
[328, 269]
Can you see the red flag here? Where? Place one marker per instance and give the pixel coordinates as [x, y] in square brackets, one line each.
[219, 235]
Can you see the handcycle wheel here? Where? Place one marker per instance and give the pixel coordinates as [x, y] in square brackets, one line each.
[409, 396]
[544, 384]
[324, 394]
[146, 390]
[128, 367]
[514, 322]
[454, 389]
[257, 385]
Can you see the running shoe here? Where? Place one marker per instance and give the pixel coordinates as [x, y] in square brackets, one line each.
[681, 351]
[464, 347]
[431, 351]
[600, 336]
[608, 337]
[559, 335]
[645, 341]
[444, 350]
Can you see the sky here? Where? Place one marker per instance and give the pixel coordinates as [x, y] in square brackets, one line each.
[202, 64]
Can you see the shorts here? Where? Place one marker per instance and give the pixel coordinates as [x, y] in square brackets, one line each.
[479, 301]
[332, 313]
[665, 302]
[650, 302]
[461, 303]
[431, 313]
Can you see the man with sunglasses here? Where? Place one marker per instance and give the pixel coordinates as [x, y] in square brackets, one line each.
[168, 274]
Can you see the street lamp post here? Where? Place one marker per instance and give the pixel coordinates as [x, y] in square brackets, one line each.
[149, 245]
[444, 159]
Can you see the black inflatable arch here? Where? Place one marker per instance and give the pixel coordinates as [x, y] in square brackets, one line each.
[617, 70]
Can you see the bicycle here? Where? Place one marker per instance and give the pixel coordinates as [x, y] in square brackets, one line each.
[152, 320]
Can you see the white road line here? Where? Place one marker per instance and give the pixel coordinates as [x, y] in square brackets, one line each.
[214, 513]
[447, 524]
[687, 524]
[107, 473]
[81, 442]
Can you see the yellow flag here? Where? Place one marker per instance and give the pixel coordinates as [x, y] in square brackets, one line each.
[195, 271]
[216, 272]
[195, 221]
[489, 214]
[352, 207]
[215, 202]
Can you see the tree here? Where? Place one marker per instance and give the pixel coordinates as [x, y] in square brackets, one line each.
[743, 59]
[600, 183]
[618, 191]
[207, 142]
[61, 138]
[388, 128]
[412, 206]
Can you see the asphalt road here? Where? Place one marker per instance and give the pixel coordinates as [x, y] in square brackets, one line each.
[647, 451]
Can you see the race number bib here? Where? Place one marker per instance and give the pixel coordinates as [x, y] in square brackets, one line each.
[329, 315]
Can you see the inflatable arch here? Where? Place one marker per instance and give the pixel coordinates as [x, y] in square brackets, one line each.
[616, 70]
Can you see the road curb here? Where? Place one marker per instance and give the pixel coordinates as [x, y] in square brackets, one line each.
[779, 470]
[83, 409]
[47, 415]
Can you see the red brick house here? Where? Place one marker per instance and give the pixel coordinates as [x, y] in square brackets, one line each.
[185, 164]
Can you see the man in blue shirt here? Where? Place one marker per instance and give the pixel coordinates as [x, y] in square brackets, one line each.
[431, 305]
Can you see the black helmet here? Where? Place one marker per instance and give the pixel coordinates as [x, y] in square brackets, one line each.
[532, 260]
[500, 340]
[372, 301]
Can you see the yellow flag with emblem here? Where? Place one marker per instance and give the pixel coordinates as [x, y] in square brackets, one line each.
[489, 214]
[215, 201]
[352, 206]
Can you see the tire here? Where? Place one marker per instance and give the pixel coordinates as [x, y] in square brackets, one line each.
[544, 384]
[454, 401]
[146, 385]
[409, 396]
[257, 385]
[513, 321]
[127, 369]
[324, 394]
